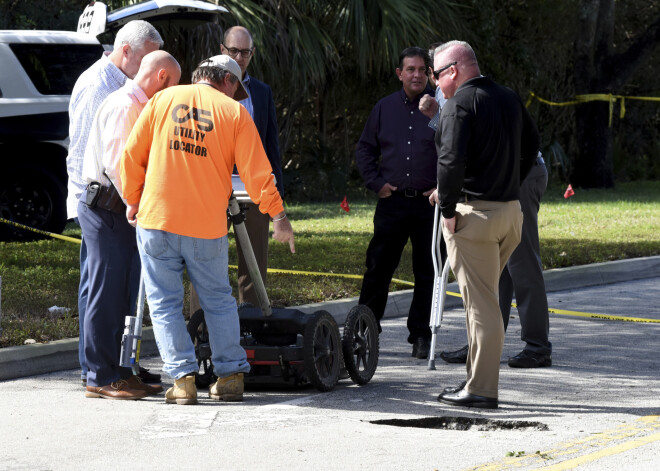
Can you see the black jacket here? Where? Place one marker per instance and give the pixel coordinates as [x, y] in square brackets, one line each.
[486, 144]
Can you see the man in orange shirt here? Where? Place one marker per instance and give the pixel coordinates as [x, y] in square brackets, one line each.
[176, 178]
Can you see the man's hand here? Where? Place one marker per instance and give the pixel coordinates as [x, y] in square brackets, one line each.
[450, 224]
[386, 191]
[433, 196]
[282, 230]
[428, 106]
[131, 213]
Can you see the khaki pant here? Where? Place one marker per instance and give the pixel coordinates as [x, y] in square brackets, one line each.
[257, 225]
[487, 232]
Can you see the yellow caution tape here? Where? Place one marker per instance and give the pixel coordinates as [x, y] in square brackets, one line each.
[39, 231]
[317, 273]
[610, 98]
[606, 317]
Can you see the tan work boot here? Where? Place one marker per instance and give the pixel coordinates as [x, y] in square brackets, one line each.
[229, 388]
[184, 391]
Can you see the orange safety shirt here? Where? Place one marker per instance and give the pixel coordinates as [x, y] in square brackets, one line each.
[178, 161]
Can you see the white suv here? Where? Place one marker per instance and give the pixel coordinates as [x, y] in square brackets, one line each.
[37, 73]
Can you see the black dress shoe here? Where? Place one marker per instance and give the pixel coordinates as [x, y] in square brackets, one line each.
[465, 399]
[421, 348]
[457, 356]
[148, 377]
[529, 359]
[454, 389]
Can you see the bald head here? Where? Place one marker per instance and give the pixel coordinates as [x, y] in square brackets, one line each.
[158, 70]
[238, 32]
[456, 63]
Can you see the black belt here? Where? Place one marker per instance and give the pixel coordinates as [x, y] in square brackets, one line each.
[410, 193]
[467, 197]
[98, 196]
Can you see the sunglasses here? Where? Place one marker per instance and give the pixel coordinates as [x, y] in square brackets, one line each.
[436, 73]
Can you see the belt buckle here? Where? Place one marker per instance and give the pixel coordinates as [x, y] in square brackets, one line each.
[409, 193]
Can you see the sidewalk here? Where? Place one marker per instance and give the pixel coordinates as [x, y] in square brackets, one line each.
[597, 407]
[29, 360]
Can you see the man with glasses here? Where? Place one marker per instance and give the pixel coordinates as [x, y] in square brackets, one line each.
[396, 157]
[238, 44]
[486, 145]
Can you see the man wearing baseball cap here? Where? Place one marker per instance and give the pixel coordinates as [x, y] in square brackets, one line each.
[176, 178]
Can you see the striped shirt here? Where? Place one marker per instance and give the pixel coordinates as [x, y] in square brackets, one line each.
[91, 88]
[440, 98]
[109, 132]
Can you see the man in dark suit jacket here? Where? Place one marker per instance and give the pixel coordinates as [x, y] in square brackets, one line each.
[238, 44]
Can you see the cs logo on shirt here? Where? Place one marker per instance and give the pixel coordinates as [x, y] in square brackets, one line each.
[204, 124]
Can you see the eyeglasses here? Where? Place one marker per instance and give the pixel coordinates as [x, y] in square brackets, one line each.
[436, 73]
[233, 52]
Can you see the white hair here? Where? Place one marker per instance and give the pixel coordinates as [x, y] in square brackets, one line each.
[136, 33]
[464, 50]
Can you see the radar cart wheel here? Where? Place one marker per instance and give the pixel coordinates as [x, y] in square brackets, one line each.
[360, 344]
[322, 351]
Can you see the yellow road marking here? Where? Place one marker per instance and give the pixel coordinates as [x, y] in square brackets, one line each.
[629, 432]
[570, 464]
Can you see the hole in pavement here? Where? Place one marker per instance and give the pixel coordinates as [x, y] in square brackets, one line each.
[464, 423]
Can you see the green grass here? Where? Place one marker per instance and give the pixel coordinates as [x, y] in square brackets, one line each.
[592, 226]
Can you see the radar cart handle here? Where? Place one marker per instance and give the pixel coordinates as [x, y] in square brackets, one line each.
[131, 341]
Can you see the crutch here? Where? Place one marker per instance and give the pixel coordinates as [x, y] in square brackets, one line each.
[132, 338]
[441, 274]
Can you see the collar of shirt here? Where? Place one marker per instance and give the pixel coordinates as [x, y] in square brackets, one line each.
[479, 79]
[247, 102]
[113, 71]
[404, 97]
[135, 90]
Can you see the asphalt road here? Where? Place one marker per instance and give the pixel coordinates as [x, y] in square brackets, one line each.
[596, 408]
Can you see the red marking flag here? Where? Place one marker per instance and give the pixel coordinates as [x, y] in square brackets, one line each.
[344, 205]
[569, 191]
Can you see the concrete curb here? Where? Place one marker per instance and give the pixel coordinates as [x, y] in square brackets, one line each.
[30, 360]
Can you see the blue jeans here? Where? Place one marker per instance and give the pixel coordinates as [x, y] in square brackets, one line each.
[163, 256]
[83, 291]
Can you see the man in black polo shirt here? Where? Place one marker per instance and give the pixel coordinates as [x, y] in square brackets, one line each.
[397, 158]
[487, 142]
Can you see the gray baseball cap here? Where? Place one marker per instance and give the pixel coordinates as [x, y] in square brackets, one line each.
[227, 63]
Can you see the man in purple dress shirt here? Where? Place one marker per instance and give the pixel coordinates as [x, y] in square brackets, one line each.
[396, 157]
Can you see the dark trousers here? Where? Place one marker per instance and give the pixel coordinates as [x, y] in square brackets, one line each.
[257, 225]
[396, 220]
[113, 267]
[523, 273]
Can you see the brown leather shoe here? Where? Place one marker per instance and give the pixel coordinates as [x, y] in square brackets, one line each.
[117, 390]
[134, 382]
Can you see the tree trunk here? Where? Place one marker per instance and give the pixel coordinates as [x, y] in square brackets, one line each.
[593, 167]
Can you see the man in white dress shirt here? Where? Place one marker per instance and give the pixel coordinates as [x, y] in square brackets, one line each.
[111, 242]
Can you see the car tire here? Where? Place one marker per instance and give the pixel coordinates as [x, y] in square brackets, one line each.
[35, 198]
